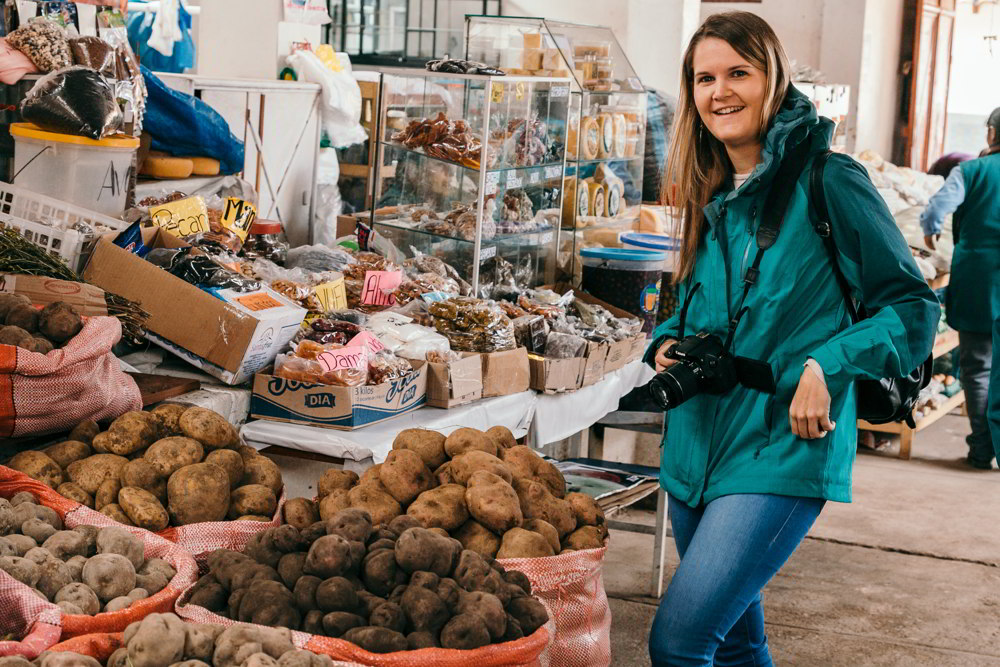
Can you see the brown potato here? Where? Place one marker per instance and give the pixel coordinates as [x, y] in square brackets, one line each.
[545, 529]
[586, 509]
[520, 543]
[493, 503]
[197, 493]
[382, 507]
[170, 415]
[333, 502]
[67, 451]
[229, 461]
[107, 492]
[92, 471]
[334, 479]
[442, 507]
[74, 492]
[168, 455]
[39, 466]
[115, 511]
[300, 512]
[463, 465]
[466, 439]
[476, 537]
[538, 503]
[525, 463]
[262, 470]
[443, 474]
[502, 436]
[405, 476]
[129, 433]
[209, 428]
[429, 445]
[143, 509]
[85, 431]
[588, 537]
[142, 474]
[371, 476]
[255, 499]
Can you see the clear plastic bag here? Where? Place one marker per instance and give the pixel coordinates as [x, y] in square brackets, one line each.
[564, 346]
[293, 367]
[318, 258]
[473, 325]
[95, 53]
[384, 366]
[75, 100]
[45, 44]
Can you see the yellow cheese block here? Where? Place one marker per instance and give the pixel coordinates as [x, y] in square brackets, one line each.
[167, 167]
[614, 191]
[531, 59]
[582, 206]
[603, 237]
[596, 197]
[572, 136]
[620, 126]
[590, 70]
[590, 138]
[532, 40]
[569, 201]
[607, 135]
[551, 59]
[205, 166]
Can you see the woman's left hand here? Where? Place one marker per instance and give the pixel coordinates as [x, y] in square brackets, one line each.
[809, 414]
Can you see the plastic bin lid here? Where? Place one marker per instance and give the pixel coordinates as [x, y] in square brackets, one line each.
[624, 254]
[32, 131]
[654, 241]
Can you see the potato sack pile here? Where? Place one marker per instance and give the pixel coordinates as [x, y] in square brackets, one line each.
[36, 330]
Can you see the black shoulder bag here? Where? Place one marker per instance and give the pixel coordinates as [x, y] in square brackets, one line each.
[879, 401]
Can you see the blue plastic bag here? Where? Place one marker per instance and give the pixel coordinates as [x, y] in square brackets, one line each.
[140, 25]
[181, 124]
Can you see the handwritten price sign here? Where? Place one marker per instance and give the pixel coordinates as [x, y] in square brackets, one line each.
[182, 218]
[238, 216]
[379, 286]
[345, 358]
[367, 340]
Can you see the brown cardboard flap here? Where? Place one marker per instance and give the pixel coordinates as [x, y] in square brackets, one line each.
[619, 353]
[87, 299]
[553, 376]
[597, 354]
[179, 312]
[505, 372]
[455, 383]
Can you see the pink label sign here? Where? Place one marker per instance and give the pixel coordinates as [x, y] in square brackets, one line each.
[378, 287]
[368, 340]
[344, 358]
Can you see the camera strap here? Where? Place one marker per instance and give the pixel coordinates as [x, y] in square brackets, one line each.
[772, 217]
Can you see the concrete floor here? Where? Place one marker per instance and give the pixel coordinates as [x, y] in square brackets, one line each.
[908, 574]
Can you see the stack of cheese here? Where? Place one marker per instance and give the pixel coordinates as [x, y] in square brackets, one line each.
[600, 196]
[538, 60]
[610, 133]
[163, 165]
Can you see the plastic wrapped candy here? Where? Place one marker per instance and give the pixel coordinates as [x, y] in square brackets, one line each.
[384, 366]
[318, 258]
[45, 44]
[403, 336]
[304, 367]
[564, 346]
[530, 332]
[442, 356]
[473, 325]
[75, 100]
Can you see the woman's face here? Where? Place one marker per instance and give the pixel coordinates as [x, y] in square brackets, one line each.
[728, 92]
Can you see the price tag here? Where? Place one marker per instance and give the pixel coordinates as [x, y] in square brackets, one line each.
[258, 301]
[345, 358]
[519, 91]
[431, 297]
[333, 295]
[513, 180]
[552, 172]
[181, 218]
[535, 177]
[492, 180]
[560, 91]
[378, 287]
[368, 340]
[496, 92]
[238, 216]
[486, 253]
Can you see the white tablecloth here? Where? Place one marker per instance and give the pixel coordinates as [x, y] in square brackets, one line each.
[549, 417]
[375, 441]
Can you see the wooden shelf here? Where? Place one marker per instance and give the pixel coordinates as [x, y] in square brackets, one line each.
[905, 432]
[945, 343]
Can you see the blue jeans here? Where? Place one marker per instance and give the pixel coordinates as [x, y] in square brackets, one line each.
[729, 549]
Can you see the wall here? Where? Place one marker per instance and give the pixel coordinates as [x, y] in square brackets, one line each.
[880, 76]
[798, 23]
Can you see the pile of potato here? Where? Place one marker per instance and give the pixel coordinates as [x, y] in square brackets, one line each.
[37, 330]
[387, 588]
[175, 465]
[164, 640]
[85, 570]
[496, 497]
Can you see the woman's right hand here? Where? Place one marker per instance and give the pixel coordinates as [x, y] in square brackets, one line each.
[661, 359]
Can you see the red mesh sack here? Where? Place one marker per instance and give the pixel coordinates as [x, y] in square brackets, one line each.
[571, 587]
[42, 393]
[98, 646]
[74, 514]
[522, 652]
[25, 615]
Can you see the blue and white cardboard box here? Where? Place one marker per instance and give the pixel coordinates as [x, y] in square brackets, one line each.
[344, 408]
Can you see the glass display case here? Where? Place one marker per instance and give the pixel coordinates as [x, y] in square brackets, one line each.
[606, 129]
[477, 172]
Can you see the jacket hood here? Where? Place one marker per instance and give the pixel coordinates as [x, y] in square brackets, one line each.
[796, 121]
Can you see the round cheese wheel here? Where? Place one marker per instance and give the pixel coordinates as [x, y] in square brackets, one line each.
[614, 198]
[167, 167]
[583, 202]
[607, 142]
[591, 138]
[620, 126]
[205, 166]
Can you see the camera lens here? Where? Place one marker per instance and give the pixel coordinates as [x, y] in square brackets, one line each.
[674, 385]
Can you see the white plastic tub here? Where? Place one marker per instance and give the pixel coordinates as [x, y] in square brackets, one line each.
[91, 173]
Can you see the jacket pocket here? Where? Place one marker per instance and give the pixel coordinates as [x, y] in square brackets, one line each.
[769, 417]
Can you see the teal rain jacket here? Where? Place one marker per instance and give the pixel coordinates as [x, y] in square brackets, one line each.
[741, 441]
[976, 262]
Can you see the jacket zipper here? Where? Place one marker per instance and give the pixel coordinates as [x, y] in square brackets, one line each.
[746, 250]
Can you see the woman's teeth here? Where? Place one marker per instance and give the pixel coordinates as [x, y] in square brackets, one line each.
[728, 110]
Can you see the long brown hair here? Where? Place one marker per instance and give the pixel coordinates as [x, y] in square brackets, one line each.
[698, 164]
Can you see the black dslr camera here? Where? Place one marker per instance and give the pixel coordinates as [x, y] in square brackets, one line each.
[705, 366]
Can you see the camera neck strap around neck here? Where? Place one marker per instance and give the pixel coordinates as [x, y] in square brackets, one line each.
[773, 215]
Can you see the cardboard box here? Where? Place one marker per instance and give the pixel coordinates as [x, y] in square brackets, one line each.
[455, 383]
[87, 299]
[505, 372]
[619, 354]
[228, 334]
[343, 408]
[555, 376]
[639, 345]
[594, 370]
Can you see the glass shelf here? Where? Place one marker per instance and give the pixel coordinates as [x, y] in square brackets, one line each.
[544, 166]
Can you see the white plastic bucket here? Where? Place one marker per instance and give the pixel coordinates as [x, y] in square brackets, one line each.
[90, 173]
[666, 244]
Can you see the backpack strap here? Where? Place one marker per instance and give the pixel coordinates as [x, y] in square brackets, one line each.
[824, 228]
